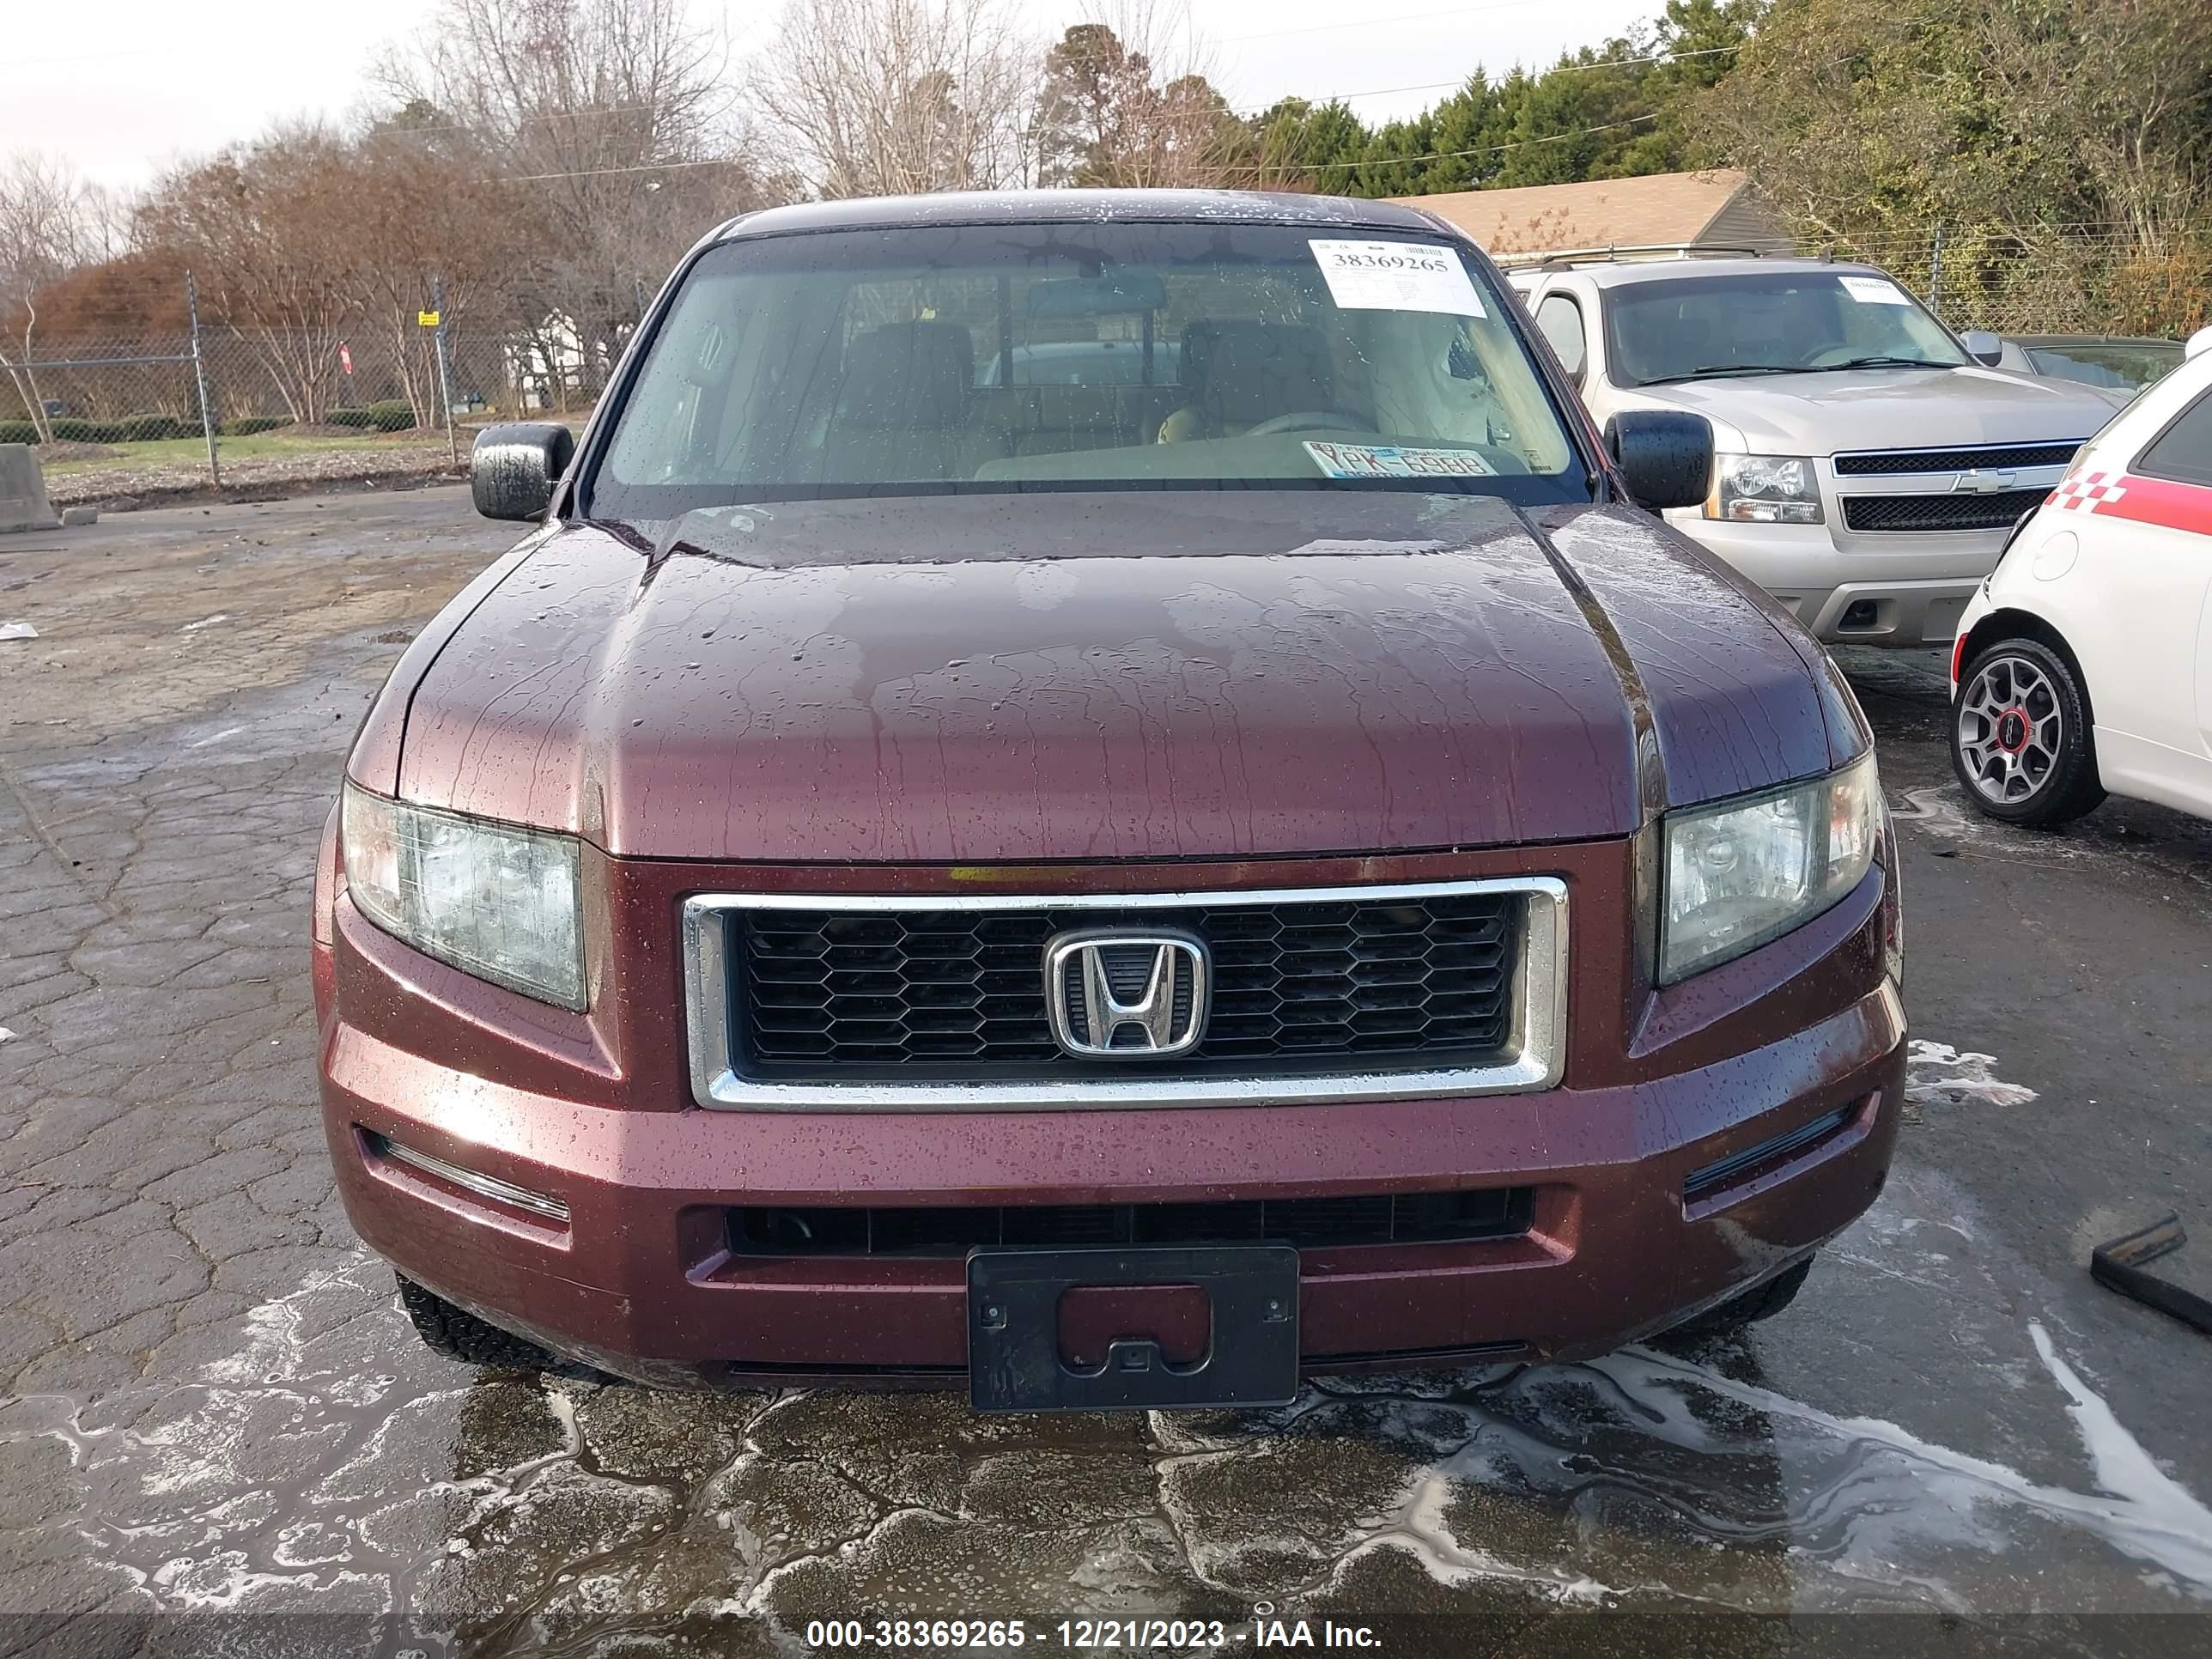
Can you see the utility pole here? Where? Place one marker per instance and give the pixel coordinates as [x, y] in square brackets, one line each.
[445, 387]
[199, 378]
[1935, 275]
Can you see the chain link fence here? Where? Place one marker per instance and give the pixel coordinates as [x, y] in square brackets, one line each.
[2088, 279]
[123, 411]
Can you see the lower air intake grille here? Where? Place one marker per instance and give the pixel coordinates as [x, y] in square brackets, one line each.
[1378, 1219]
[1998, 511]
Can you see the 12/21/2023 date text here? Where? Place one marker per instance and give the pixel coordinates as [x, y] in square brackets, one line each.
[1088, 1635]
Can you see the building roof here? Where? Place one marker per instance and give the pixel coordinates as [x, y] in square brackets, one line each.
[1657, 209]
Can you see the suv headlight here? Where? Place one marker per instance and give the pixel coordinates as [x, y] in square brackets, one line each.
[1743, 871]
[1764, 489]
[492, 899]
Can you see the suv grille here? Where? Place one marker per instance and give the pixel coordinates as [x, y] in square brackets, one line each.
[1377, 1218]
[1995, 512]
[1298, 989]
[1869, 463]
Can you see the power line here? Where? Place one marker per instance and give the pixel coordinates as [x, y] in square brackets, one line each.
[1444, 155]
[1257, 166]
[1380, 22]
[1555, 69]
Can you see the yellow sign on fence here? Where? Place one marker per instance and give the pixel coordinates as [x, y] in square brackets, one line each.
[426, 319]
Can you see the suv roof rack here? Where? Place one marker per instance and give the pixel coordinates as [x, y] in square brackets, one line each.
[1559, 259]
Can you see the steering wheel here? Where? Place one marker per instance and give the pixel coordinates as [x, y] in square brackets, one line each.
[1313, 420]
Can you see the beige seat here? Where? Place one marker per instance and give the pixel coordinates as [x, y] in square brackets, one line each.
[902, 410]
[1242, 372]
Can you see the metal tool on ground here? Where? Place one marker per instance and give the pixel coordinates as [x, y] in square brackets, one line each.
[2119, 1264]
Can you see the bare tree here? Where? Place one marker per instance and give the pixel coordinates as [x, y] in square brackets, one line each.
[1128, 100]
[426, 224]
[611, 124]
[267, 226]
[50, 225]
[884, 97]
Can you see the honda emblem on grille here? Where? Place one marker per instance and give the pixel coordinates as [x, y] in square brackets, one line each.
[1127, 993]
[1980, 483]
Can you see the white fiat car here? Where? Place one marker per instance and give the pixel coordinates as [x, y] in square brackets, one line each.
[2084, 664]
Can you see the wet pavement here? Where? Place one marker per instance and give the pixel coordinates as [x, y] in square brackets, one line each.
[218, 1433]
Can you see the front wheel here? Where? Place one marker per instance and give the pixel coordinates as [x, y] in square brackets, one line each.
[2020, 736]
[459, 1334]
[1762, 1301]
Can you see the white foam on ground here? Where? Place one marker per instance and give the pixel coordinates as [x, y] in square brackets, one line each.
[1936, 1074]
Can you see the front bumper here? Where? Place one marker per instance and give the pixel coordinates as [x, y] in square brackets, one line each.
[638, 1277]
[1900, 590]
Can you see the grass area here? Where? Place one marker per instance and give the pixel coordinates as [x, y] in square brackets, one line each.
[192, 452]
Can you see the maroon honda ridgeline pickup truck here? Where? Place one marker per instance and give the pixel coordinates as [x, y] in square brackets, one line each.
[1108, 795]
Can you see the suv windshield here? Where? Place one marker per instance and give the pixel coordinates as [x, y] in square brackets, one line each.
[1783, 322]
[1094, 355]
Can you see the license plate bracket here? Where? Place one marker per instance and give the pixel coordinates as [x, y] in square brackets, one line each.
[1014, 1358]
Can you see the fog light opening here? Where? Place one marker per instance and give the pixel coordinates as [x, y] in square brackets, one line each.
[1861, 616]
[384, 1148]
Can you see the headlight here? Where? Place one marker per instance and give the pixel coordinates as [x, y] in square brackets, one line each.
[1764, 489]
[1744, 872]
[493, 899]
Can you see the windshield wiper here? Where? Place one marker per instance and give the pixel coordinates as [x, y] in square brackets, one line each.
[1889, 363]
[1712, 371]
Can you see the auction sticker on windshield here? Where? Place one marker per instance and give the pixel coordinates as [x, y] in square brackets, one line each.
[1874, 291]
[1396, 276]
[1396, 461]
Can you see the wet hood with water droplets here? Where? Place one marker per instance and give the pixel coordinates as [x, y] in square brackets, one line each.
[1203, 674]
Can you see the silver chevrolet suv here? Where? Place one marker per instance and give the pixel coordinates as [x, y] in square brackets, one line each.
[1868, 465]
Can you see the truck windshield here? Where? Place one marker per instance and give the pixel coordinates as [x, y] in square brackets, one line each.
[1680, 328]
[1092, 356]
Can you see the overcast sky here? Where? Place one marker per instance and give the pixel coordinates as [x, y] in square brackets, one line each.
[122, 87]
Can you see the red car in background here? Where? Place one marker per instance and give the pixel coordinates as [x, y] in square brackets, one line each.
[1110, 797]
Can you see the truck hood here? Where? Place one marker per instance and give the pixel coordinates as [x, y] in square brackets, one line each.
[1886, 409]
[1203, 674]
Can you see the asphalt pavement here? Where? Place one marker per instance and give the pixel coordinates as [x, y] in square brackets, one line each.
[218, 1433]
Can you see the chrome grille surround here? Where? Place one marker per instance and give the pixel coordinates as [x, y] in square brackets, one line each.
[1533, 1058]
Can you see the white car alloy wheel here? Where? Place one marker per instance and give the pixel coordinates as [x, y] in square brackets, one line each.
[2020, 740]
[2012, 730]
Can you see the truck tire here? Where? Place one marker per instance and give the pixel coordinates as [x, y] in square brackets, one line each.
[1762, 1301]
[459, 1334]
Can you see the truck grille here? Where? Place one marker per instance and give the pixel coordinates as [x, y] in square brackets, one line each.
[1376, 1219]
[1889, 462]
[959, 994]
[1998, 511]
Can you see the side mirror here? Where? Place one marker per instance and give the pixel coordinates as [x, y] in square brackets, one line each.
[1666, 456]
[1983, 347]
[514, 467]
[2199, 343]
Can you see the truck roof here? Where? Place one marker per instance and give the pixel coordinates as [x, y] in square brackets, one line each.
[1066, 206]
[1619, 273]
